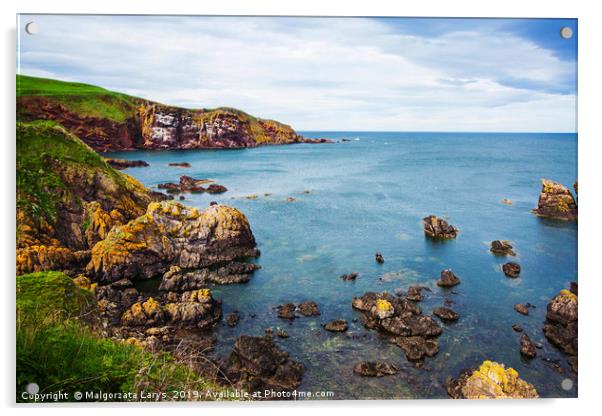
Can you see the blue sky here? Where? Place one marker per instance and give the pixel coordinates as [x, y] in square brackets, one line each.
[326, 73]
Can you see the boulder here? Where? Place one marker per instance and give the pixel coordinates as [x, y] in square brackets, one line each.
[521, 308]
[490, 381]
[556, 201]
[438, 228]
[527, 347]
[193, 309]
[286, 311]
[232, 319]
[415, 293]
[416, 348]
[374, 369]
[446, 314]
[561, 326]
[511, 269]
[502, 248]
[448, 279]
[176, 279]
[350, 276]
[309, 308]
[256, 364]
[379, 258]
[147, 313]
[337, 325]
[171, 234]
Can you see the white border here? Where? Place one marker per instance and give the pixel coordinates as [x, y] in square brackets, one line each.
[590, 33]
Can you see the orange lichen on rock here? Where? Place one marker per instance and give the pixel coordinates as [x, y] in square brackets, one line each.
[556, 201]
[40, 258]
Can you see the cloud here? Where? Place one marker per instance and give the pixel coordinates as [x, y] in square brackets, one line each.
[318, 73]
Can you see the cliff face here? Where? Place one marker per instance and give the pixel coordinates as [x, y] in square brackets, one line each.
[108, 121]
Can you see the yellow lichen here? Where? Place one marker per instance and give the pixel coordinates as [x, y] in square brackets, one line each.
[383, 305]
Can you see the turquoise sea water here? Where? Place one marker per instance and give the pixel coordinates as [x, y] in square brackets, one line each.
[369, 194]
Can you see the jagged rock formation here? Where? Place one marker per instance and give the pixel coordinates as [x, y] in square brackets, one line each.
[502, 248]
[561, 327]
[490, 381]
[107, 121]
[402, 321]
[170, 234]
[556, 201]
[438, 228]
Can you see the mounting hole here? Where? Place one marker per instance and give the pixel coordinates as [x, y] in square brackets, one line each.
[566, 32]
[567, 384]
[32, 28]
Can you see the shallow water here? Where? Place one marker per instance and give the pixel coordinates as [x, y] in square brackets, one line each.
[369, 195]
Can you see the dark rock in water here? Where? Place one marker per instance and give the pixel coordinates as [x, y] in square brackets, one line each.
[121, 164]
[502, 248]
[415, 293]
[401, 320]
[182, 197]
[192, 185]
[308, 309]
[286, 311]
[561, 327]
[281, 333]
[446, 314]
[232, 319]
[574, 288]
[521, 308]
[350, 276]
[257, 364]
[438, 228]
[374, 369]
[212, 203]
[216, 189]
[379, 258]
[448, 279]
[177, 279]
[517, 328]
[511, 269]
[338, 325]
[317, 141]
[180, 164]
[555, 201]
[527, 347]
[490, 381]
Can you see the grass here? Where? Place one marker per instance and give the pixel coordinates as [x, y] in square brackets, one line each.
[57, 351]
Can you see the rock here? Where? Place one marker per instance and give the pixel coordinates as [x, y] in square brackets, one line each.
[308, 309]
[490, 381]
[216, 189]
[448, 279]
[517, 328]
[527, 347]
[176, 279]
[286, 311]
[124, 164]
[374, 369]
[193, 309]
[171, 234]
[291, 199]
[147, 313]
[401, 320]
[446, 314]
[181, 197]
[415, 293]
[438, 228]
[337, 325]
[521, 308]
[350, 276]
[556, 201]
[281, 333]
[574, 288]
[506, 201]
[561, 327]
[379, 258]
[317, 141]
[180, 164]
[232, 319]
[256, 364]
[502, 248]
[511, 269]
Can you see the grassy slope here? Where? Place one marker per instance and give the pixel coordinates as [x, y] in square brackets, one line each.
[58, 352]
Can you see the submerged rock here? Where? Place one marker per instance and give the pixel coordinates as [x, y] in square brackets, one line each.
[561, 327]
[309, 308]
[374, 369]
[286, 311]
[350, 276]
[446, 314]
[490, 381]
[502, 248]
[401, 320]
[232, 319]
[448, 279]
[180, 164]
[379, 258]
[517, 328]
[176, 279]
[257, 364]
[555, 201]
[521, 308]
[171, 234]
[527, 347]
[511, 269]
[415, 293]
[337, 325]
[124, 164]
[438, 228]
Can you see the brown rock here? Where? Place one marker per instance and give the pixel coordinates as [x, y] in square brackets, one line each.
[446, 314]
[338, 325]
[556, 201]
[502, 248]
[448, 279]
[521, 308]
[438, 228]
[374, 369]
[379, 258]
[511, 269]
[286, 311]
[350, 276]
[309, 308]
[527, 347]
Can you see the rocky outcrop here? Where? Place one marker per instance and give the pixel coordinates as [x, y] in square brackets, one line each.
[446, 314]
[379, 258]
[121, 164]
[448, 279]
[438, 228]
[256, 364]
[556, 201]
[511, 269]
[561, 327]
[170, 234]
[192, 185]
[177, 279]
[337, 325]
[350, 276]
[527, 347]
[374, 369]
[490, 381]
[502, 248]
[402, 321]
[179, 164]
[289, 310]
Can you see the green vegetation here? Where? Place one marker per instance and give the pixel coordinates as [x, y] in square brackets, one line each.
[83, 99]
[57, 351]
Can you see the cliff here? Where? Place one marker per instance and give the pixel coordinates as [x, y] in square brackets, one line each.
[108, 121]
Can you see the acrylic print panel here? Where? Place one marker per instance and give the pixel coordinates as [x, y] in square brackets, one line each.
[411, 185]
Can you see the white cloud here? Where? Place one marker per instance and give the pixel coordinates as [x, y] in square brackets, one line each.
[315, 74]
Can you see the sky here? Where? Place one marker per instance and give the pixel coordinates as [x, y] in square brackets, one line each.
[349, 74]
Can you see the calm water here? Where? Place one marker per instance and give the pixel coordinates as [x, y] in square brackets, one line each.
[369, 195]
